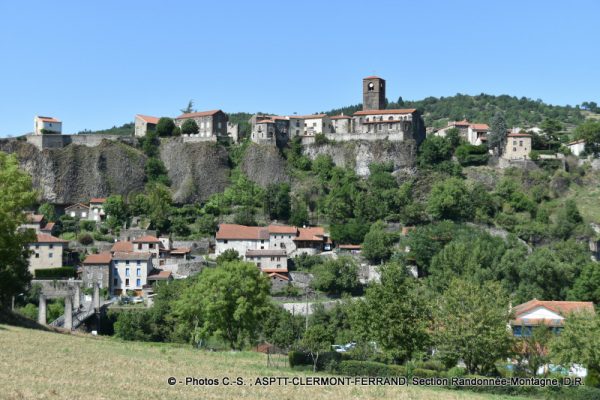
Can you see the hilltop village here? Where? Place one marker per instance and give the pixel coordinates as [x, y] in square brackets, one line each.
[338, 217]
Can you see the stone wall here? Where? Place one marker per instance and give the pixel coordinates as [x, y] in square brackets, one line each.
[59, 141]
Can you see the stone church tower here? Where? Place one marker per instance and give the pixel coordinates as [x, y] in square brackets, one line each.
[373, 93]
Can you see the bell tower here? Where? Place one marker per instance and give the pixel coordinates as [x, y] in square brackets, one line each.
[373, 93]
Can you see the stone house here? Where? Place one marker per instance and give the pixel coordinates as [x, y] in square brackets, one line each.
[97, 209]
[475, 134]
[241, 238]
[38, 223]
[577, 147]
[211, 124]
[130, 271]
[517, 147]
[341, 124]
[315, 124]
[46, 252]
[268, 259]
[143, 124]
[46, 125]
[97, 268]
[78, 210]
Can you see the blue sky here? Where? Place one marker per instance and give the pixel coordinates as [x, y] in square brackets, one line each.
[97, 64]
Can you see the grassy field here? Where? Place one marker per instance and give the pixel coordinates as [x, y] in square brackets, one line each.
[45, 365]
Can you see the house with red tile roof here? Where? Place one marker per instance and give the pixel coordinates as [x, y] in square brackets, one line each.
[551, 314]
[79, 210]
[143, 124]
[211, 124]
[97, 209]
[46, 125]
[46, 252]
[130, 271]
[97, 268]
[517, 147]
[38, 223]
[474, 133]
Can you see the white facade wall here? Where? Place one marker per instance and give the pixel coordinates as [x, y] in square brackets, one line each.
[130, 274]
[240, 245]
[268, 262]
[38, 125]
[540, 313]
[282, 241]
[577, 148]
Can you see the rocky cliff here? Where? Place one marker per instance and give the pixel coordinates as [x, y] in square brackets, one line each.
[77, 173]
[264, 164]
[196, 170]
[359, 154]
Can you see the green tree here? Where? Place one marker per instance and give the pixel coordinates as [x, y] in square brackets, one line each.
[336, 276]
[470, 325]
[189, 108]
[165, 127]
[434, 150]
[229, 302]
[299, 215]
[578, 343]
[15, 195]
[315, 341]
[567, 220]
[587, 285]
[377, 246]
[352, 232]
[48, 211]
[150, 144]
[551, 127]
[189, 127]
[227, 256]
[277, 201]
[117, 211]
[156, 171]
[498, 132]
[281, 328]
[159, 206]
[395, 313]
[590, 132]
[532, 351]
[450, 199]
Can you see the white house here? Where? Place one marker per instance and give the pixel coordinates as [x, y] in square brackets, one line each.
[46, 125]
[46, 252]
[545, 313]
[143, 124]
[577, 147]
[130, 271]
[241, 238]
[97, 209]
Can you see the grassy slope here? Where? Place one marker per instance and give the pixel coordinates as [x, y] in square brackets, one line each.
[37, 364]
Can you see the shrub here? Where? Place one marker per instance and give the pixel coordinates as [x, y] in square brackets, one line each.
[425, 373]
[320, 138]
[87, 225]
[53, 273]
[467, 154]
[328, 360]
[86, 239]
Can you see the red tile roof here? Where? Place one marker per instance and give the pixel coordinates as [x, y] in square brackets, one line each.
[313, 116]
[480, 127]
[98, 200]
[148, 119]
[278, 275]
[156, 275]
[350, 246]
[198, 114]
[372, 77]
[45, 238]
[49, 226]
[122, 247]
[464, 122]
[100, 258]
[341, 117]
[574, 142]
[562, 308]
[385, 112]
[282, 229]
[181, 250]
[314, 234]
[147, 239]
[519, 135]
[48, 119]
[34, 218]
[242, 232]
[77, 205]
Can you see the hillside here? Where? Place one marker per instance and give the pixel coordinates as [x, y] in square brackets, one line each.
[36, 364]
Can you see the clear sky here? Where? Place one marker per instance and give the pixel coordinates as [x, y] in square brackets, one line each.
[95, 64]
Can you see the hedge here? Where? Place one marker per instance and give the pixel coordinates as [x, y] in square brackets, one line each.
[299, 358]
[370, 368]
[468, 154]
[53, 273]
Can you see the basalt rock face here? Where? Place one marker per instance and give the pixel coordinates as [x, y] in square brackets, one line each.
[76, 173]
[264, 165]
[359, 154]
[196, 170]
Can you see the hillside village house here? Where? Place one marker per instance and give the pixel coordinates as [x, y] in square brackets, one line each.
[269, 259]
[130, 271]
[38, 223]
[46, 125]
[341, 123]
[46, 252]
[78, 210]
[97, 209]
[293, 240]
[475, 134]
[518, 146]
[577, 147]
[143, 124]
[551, 314]
[96, 268]
[211, 124]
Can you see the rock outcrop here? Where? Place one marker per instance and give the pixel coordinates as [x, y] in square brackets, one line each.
[77, 173]
[196, 170]
[359, 154]
[264, 165]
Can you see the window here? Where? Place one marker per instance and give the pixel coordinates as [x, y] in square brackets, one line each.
[84, 214]
[138, 272]
[297, 124]
[127, 262]
[521, 143]
[272, 258]
[115, 282]
[262, 241]
[514, 142]
[37, 255]
[139, 262]
[151, 245]
[514, 149]
[127, 282]
[379, 126]
[225, 241]
[278, 258]
[297, 132]
[126, 271]
[51, 246]
[37, 246]
[139, 246]
[50, 255]
[138, 282]
[390, 126]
